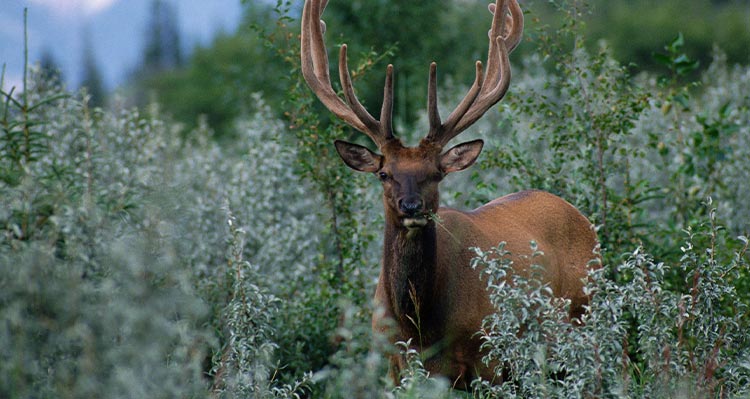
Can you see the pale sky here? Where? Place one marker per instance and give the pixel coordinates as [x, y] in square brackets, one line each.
[116, 27]
[70, 8]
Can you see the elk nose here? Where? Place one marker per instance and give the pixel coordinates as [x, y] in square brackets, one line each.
[410, 205]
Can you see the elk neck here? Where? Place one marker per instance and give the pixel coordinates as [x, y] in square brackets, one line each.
[410, 270]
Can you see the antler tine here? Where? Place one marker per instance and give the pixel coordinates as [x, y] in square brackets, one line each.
[489, 97]
[487, 91]
[314, 60]
[382, 130]
[386, 110]
[516, 26]
[437, 128]
[433, 114]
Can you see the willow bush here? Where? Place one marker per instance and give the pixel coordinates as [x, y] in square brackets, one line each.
[638, 339]
[138, 259]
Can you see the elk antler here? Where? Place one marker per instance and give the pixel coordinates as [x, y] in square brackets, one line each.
[487, 90]
[315, 70]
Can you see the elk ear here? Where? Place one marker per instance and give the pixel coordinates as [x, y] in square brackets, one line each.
[461, 156]
[357, 157]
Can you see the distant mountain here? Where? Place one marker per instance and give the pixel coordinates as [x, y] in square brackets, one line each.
[117, 33]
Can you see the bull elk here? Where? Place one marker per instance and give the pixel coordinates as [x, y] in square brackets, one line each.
[427, 290]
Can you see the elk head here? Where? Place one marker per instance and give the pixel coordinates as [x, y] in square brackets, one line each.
[410, 175]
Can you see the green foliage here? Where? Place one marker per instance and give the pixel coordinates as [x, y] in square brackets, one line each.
[91, 77]
[243, 368]
[21, 138]
[688, 343]
[636, 154]
[68, 334]
[637, 28]
[88, 279]
[571, 134]
[357, 368]
[162, 49]
[345, 265]
[675, 60]
[218, 81]
[406, 31]
[123, 272]
[415, 382]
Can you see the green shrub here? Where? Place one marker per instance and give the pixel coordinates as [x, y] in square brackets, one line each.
[639, 339]
[124, 274]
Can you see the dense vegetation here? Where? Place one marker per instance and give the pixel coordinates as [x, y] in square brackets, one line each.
[140, 259]
[218, 80]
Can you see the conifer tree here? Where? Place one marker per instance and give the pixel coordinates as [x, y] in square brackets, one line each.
[49, 67]
[162, 49]
[92, 79]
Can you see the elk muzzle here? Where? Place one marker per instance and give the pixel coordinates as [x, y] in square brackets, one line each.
[411, 208]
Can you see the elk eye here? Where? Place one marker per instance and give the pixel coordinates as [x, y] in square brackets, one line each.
[383, 176]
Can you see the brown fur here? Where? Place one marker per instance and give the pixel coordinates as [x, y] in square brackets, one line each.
[427, 288]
